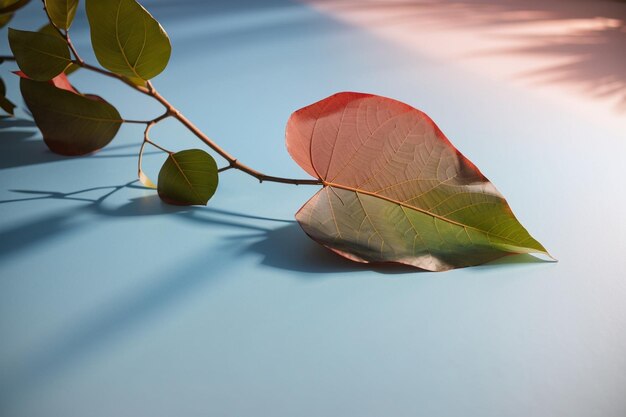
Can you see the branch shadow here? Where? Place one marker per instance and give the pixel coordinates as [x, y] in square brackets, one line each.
[105, 324]
[108, 322]
[284, 247]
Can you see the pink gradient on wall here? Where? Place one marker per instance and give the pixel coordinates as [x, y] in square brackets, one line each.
[572, 52]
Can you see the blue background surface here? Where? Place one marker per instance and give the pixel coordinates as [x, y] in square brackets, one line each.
[124, 306]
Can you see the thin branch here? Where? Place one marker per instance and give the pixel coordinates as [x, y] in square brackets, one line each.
[7, 58]
[172, 111]
[71, 46]
[139, 122]
[228, 157]
[64, 34]
[123, 79]
[140, 159]
[226, 168]
[149, 126]
[158, 146]
[146, 139]
[161, 117]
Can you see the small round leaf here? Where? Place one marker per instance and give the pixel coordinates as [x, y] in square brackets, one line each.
[188, 177]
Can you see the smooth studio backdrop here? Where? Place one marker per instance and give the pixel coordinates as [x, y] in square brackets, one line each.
[123, 306]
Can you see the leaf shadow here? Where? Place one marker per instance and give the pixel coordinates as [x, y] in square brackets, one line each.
[18, 147]
[289, 248]
[21, 145]
[103, 324]
[285, 247]
[108, 322]
[7, 122]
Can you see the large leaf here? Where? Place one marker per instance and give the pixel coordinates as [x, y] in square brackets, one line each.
[188, 177]
[39, 55]
[71, 123]
[396, 190]
[5, 104]
[62, 12]
[127, 40]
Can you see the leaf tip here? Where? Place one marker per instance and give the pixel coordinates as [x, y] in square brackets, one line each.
[545, 256]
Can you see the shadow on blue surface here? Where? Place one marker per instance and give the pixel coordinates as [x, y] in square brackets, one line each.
[106, 323]
[285, 247]
[23, 147]
[17, 146]
[7, 122]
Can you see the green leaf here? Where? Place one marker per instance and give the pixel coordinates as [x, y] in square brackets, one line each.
[396, 190]
[50, 30]
[127, 40]
[5, 104]
[8, 6]
[5, 18]
[61, 12]
[40, 56]
[188, 177]
[71, 123]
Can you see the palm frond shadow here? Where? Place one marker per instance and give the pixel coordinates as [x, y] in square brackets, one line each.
[588, 50]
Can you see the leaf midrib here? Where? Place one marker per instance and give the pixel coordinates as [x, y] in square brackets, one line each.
[80, 116]
[191, 186]
[437, 216]
[119, 43]
[43, 52]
